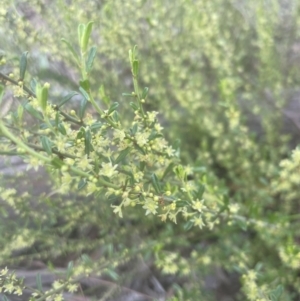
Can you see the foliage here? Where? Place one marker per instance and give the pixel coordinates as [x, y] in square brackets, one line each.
[190, 188]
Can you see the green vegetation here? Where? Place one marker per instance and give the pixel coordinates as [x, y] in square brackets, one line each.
[150, 150]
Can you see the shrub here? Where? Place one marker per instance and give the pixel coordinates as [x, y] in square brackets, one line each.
[216, 195]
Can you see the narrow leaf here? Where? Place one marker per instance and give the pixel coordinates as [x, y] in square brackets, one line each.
[56, 119]
[188, 225]
[70, 269]
[23, 65]
[1, 92]
[66, 98]
[95, 126]
[112, 274]
[20, 112]
[130, 56]
[123, 154]
[145, 93]
[128, 95]
[80, 32]
[85, 84]
[168, 170]
[135, 68]
[154, 135]
[103, 95]
[134, 129]
[39, 282]
[90, 59]
[155, 183]
[81, 184]
[112, 108]
[80, 133]
[88, 145]
[47, 145]
[57, 163]
[84, 93]
[134, 106]
[44, 96]
[4, 298]
[115, 116]
[33, 112]
[61, 129]
[86, 259]
[72, 50]
[86, 36]
[82, 108]
[33, 84]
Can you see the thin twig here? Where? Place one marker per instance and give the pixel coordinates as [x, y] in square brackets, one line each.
[32, 94]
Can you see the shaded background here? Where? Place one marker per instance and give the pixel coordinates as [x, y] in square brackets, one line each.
[224, 76]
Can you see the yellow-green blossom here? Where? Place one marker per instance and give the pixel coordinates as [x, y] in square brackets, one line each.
[108, 170]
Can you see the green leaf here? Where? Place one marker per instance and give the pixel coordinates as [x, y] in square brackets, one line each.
[70, 47]
[145, 93]
[85, 84]
[112, 274]
[57, 163]
[56, 122]
[95, 126]
[81, 133]
[135, 68]
[47, 144]
[130, 56]
[225, 202]
[81, 184]
[14, 116]
[86, 259]
[123, 154]
[242, 223]
[134, 106]
[66, 98]
[80, 32]
[168, 170]
[23, 65]
[134, 129]
[128, 95]
[1, 92]
[42, 95]
[90, 59]
[33, 84]
[142, 166]
[276, 294]
[188, 225]
[84, 93]
[4, 298]
[103, 95]
[179, 171]
[85, 36]
[115, 116]
[112, 108]
[39, 282]
[88, 145]
[61, 129]
[82, 108]
[70, 269]
[199, 193]
[155, 183]
[33, 112]
[154, 135]
[20, 112]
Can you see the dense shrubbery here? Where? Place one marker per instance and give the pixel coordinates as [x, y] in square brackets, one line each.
[173, 173]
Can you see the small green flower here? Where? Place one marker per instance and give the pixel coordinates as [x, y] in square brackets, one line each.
[108, 170]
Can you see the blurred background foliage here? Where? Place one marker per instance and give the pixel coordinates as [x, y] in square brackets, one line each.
[224, 76]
